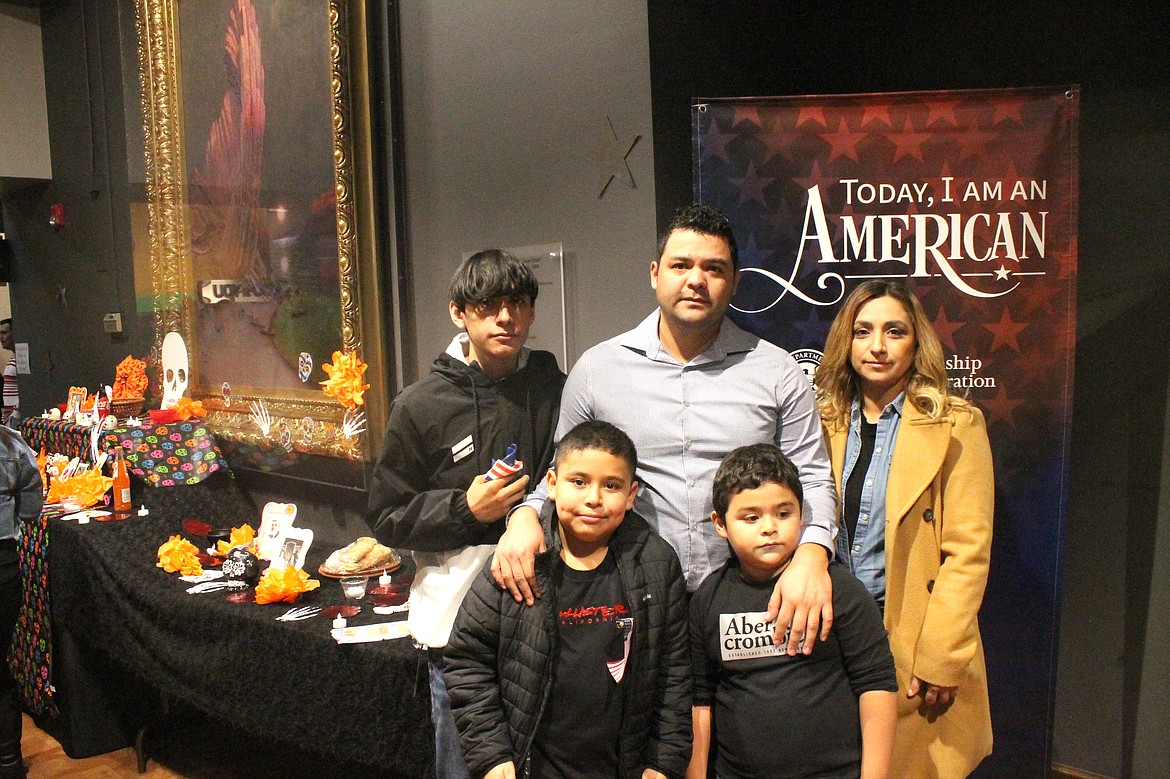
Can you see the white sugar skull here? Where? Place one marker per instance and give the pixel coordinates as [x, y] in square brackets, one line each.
[175, 368]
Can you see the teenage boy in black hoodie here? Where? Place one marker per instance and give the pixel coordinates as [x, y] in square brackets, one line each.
[429, 492]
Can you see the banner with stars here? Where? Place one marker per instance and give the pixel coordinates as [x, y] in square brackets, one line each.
[970, 197]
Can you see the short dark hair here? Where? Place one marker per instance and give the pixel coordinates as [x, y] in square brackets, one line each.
[7, 321]
[749, 467]
[491, 274]
[707, 220]
[601, 436]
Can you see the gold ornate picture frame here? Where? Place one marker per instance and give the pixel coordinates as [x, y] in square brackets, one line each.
[261, 240]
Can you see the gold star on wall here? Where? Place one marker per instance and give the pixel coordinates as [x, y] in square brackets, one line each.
[610, 158]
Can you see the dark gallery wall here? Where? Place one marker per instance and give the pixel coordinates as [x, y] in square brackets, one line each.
[66, 278]
[504, 103]
[1116, 53]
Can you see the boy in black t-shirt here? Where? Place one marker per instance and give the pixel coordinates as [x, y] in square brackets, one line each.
[594, 680]
[827, 714]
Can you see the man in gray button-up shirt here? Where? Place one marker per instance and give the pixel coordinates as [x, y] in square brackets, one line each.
[688, 386]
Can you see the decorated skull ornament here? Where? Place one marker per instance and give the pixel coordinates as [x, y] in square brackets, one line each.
[176, 366]
[240, 565]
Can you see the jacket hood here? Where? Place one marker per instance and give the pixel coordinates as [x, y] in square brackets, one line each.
[458, 372]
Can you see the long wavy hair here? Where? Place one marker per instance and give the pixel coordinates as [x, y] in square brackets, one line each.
[927, 386]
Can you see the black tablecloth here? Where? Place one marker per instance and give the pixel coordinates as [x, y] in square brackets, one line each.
[367, 703]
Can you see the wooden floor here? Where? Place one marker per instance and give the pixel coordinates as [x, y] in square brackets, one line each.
[189, 746]
[46, 760]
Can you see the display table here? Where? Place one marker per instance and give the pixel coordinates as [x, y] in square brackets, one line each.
[367, 703]
[216, 500]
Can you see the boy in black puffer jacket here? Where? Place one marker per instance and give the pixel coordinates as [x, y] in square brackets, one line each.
[594, 680]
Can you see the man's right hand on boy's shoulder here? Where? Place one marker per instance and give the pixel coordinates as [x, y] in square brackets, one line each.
[513, 565]
[490, 500]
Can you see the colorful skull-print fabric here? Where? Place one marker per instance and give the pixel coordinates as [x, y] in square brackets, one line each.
[31, 652]
[56, 436]
[168, 455]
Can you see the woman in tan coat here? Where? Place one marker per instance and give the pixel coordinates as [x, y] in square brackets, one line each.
[913, 467]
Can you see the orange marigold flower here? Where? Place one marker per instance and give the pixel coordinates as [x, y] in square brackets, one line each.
[241, 536]
[187, 408]
[283, 584]
[345, 379]
[43, 467]
[179, 555]
[88, 487]
[130, 378]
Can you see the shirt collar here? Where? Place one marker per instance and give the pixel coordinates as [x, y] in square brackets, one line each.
[731, 340]
[894, 405]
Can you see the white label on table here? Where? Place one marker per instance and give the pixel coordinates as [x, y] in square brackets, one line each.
[206, 576]
[381, 631]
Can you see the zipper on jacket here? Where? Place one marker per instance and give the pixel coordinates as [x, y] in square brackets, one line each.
[639, 617]
[546, 684]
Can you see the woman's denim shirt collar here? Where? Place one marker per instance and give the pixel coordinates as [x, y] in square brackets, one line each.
[865, 552]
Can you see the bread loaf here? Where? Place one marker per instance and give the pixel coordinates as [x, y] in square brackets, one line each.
[380, 557]
[357, 550]
[362, 555]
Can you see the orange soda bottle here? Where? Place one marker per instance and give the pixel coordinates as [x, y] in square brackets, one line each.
[122, 503]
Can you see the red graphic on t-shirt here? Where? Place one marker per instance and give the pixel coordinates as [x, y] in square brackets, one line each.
[592, 615]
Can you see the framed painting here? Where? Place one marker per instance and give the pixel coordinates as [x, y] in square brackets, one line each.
[261, 240]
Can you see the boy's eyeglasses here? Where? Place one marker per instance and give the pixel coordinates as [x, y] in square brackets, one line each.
[489, 308]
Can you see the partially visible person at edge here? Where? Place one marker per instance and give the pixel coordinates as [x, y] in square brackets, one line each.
[429, 493]
[11, 399]
[689, 386]
[20, 502]
[914, 467]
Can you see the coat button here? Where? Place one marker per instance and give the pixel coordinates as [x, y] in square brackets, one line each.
[928, 515]
[930, 586]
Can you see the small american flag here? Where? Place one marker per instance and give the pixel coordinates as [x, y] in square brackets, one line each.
[620, 653]
[505, 466]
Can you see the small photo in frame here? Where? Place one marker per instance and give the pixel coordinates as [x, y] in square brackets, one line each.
[76, 400]
[274, 521]
[294, 547]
